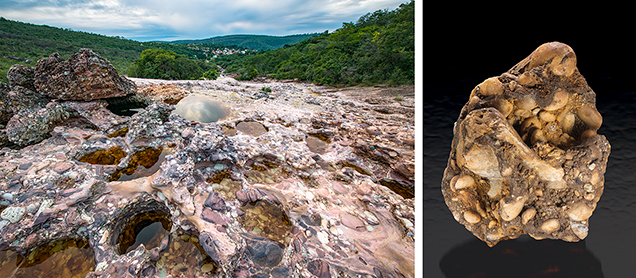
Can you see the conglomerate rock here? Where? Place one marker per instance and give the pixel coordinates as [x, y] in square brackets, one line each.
[299, 184]
[526, 158]
[84, 76]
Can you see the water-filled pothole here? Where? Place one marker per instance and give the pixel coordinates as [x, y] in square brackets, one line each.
[148, 225]
[316, 145]
[125, 106]
[110, 156]
[201, 109]
[142, 164]
[185, 257]
[63, 258]
[251, 128]
[266, 219]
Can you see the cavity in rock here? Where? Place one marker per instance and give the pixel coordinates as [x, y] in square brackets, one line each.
[200, 109]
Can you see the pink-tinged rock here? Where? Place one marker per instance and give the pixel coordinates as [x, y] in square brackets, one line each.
[84, 76]
[351, 221]
[213, 216]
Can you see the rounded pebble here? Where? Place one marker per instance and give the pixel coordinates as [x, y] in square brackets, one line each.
[464, 181]
[580, 212]
[12, 214]
[591, 117]
[510, 210]
[550, 225]
[491, 87]
[7, 196]
[472, 217]
[528, 215]
[559, 100]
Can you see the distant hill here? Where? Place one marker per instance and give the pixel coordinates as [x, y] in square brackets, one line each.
[259, 42]
[25, 43]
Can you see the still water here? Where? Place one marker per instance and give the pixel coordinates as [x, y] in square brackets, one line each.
[610, 248]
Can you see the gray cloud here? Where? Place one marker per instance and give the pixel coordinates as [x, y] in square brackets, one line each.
[194, 19]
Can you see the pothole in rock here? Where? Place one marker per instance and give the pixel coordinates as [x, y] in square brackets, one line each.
[110, 156]
[125, 106]
[226, 186]
[201, 109]
[251, 128]
[185, 257]
[317, 145]
[146, 223]
[395, 186]
[142, 164]
[266, 219]
[63, 258]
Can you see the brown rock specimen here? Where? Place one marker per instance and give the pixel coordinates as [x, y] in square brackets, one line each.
[85, 76]
[526, 158]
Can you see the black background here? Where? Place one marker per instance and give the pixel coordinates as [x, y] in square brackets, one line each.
[464, 47]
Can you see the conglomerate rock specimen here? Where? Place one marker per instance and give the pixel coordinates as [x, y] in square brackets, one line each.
[525, 157]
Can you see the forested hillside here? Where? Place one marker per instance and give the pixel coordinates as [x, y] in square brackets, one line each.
[258, 42]
[378, 48]
[24, 43]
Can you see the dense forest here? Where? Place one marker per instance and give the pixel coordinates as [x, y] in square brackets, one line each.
[378, 48]
[258, 42]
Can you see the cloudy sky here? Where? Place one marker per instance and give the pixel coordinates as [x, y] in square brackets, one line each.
[167, 20]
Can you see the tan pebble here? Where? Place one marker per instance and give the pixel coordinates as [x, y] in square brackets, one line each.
[528, 79]
[559, 100]
[588, 134]
[590, 116]
[465, 181]
[538, 192]
[589, 196]
[567, 122]
[564, 66]
[580, 212]
[526, 103]
[492, 224]
[504, 107]
[491, 87]
[527, 215]
[550, 225]
[588, 187]
[552, 50]
[596, 177]
[472, 217]
[547, 116]
[510, 210]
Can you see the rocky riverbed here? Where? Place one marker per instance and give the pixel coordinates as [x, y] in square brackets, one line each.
[293, 180]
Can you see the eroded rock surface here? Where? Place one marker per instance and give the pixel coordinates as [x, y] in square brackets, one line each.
[526, 158]
[249, 192]
[84, 76]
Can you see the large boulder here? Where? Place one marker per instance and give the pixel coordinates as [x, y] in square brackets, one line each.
[84, 76]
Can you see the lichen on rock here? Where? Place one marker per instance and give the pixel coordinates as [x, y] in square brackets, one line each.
[526, 157]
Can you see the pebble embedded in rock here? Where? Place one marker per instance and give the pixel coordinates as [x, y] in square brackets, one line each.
[12, 214]
[513, 137]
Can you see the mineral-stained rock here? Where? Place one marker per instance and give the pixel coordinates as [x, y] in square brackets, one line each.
[526, 158]
[84, 76]
[254, 204]
[20, 75]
